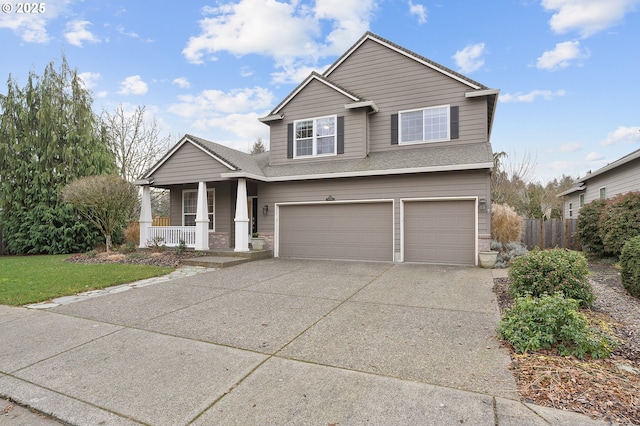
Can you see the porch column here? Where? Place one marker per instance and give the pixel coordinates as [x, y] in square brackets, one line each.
[145, 216]
[242, 217]
[202, 218]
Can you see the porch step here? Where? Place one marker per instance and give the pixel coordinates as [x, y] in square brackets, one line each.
[226, 258]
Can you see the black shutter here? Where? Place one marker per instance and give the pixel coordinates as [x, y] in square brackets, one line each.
[394, 129]
[290, 140]
[455, 122]
[340, 135]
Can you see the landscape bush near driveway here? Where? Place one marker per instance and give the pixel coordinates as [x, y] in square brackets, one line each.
[541, 272]
[630, 265]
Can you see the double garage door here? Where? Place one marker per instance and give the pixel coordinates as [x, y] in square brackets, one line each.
[433, 231]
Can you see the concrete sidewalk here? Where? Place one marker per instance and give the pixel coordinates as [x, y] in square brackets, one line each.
[273, 342]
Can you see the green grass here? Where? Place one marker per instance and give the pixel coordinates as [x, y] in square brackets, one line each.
[32, 279]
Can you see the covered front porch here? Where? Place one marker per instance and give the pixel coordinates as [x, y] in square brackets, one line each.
[198, 212]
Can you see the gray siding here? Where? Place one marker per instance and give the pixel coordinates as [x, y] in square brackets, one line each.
[224, 204]
[395, 82]
[188, 165]
[622, 179]
[445, 184]
[317, 100]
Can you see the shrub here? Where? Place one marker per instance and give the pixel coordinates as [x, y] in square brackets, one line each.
[542, 272]
[588, 231]
[132, 233]
[620, 221]
[541, 323]
[128, 247]
[630, 264]
[507, 252]
[181, 248]
[506, 224]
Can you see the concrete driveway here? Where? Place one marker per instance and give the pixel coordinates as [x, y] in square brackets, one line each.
[273, 342]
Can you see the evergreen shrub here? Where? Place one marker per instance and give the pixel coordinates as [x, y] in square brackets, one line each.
[552, 320]
[588, 231]
[541, 272]
[630, 264]
[620, 221]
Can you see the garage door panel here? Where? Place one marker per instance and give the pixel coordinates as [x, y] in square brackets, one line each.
[359, 231]
[439, 231]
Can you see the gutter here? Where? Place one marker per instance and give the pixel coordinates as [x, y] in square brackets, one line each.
[362, 173]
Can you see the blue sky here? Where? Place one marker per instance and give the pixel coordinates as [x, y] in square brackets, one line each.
[567, 70]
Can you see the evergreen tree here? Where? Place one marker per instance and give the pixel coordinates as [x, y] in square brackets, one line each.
[48, 138]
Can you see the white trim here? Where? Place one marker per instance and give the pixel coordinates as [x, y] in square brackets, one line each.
[362, 173]
[605, 192]
[402, 52]
[487, 92]
[469, 198]
[276, 236]
[362, 104]
[177, 146]
[314, 137]
[423, 140]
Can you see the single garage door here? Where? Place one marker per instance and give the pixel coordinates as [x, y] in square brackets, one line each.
[440, 231]
[358, 231]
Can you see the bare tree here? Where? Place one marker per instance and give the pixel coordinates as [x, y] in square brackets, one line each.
[510, 180]
[106, 201]
[134, 140]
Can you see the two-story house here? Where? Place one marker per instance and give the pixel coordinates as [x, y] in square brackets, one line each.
[618, 177]
[384, 156]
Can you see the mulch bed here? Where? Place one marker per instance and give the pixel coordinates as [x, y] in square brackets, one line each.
[606, 389]
[140, 257]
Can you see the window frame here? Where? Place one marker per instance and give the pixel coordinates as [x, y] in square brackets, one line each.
[602, 192]
[581, 200]
[424, 140]
[183, 214]
[315, 137]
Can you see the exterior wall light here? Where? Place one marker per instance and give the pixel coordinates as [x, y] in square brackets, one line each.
[265, 209]
[482, 205]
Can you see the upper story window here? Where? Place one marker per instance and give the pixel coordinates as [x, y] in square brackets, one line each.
[425, 125]
[581, 200]
[315, 136]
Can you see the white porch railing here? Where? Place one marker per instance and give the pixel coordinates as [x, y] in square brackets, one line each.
[171, 236]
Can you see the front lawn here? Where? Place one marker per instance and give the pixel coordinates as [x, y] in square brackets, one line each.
[32, 279]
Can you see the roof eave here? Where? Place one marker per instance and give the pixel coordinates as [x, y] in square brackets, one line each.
[361, 173]
[362, 104]
[270, 118]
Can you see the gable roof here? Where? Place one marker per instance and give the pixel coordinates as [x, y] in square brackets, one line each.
[409, 54]
[314, 76]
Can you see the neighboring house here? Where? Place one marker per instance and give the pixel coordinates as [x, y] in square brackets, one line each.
[619, 177]
[385, 156]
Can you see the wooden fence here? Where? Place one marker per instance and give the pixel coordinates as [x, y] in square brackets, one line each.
[161, 221]
[550, 233]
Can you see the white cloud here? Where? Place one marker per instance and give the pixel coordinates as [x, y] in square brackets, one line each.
[470, 59]
[133, 85]
[622, 134]
[90, 79]
[289, 32]
[292, 72]
[245, 126]
[594, 156]
[181, 82]
[561, 56]
[32, 27]
[586, 16]
[77, 33]
[214, 102]
[419, 11]
[570, 147]
[531, 96]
